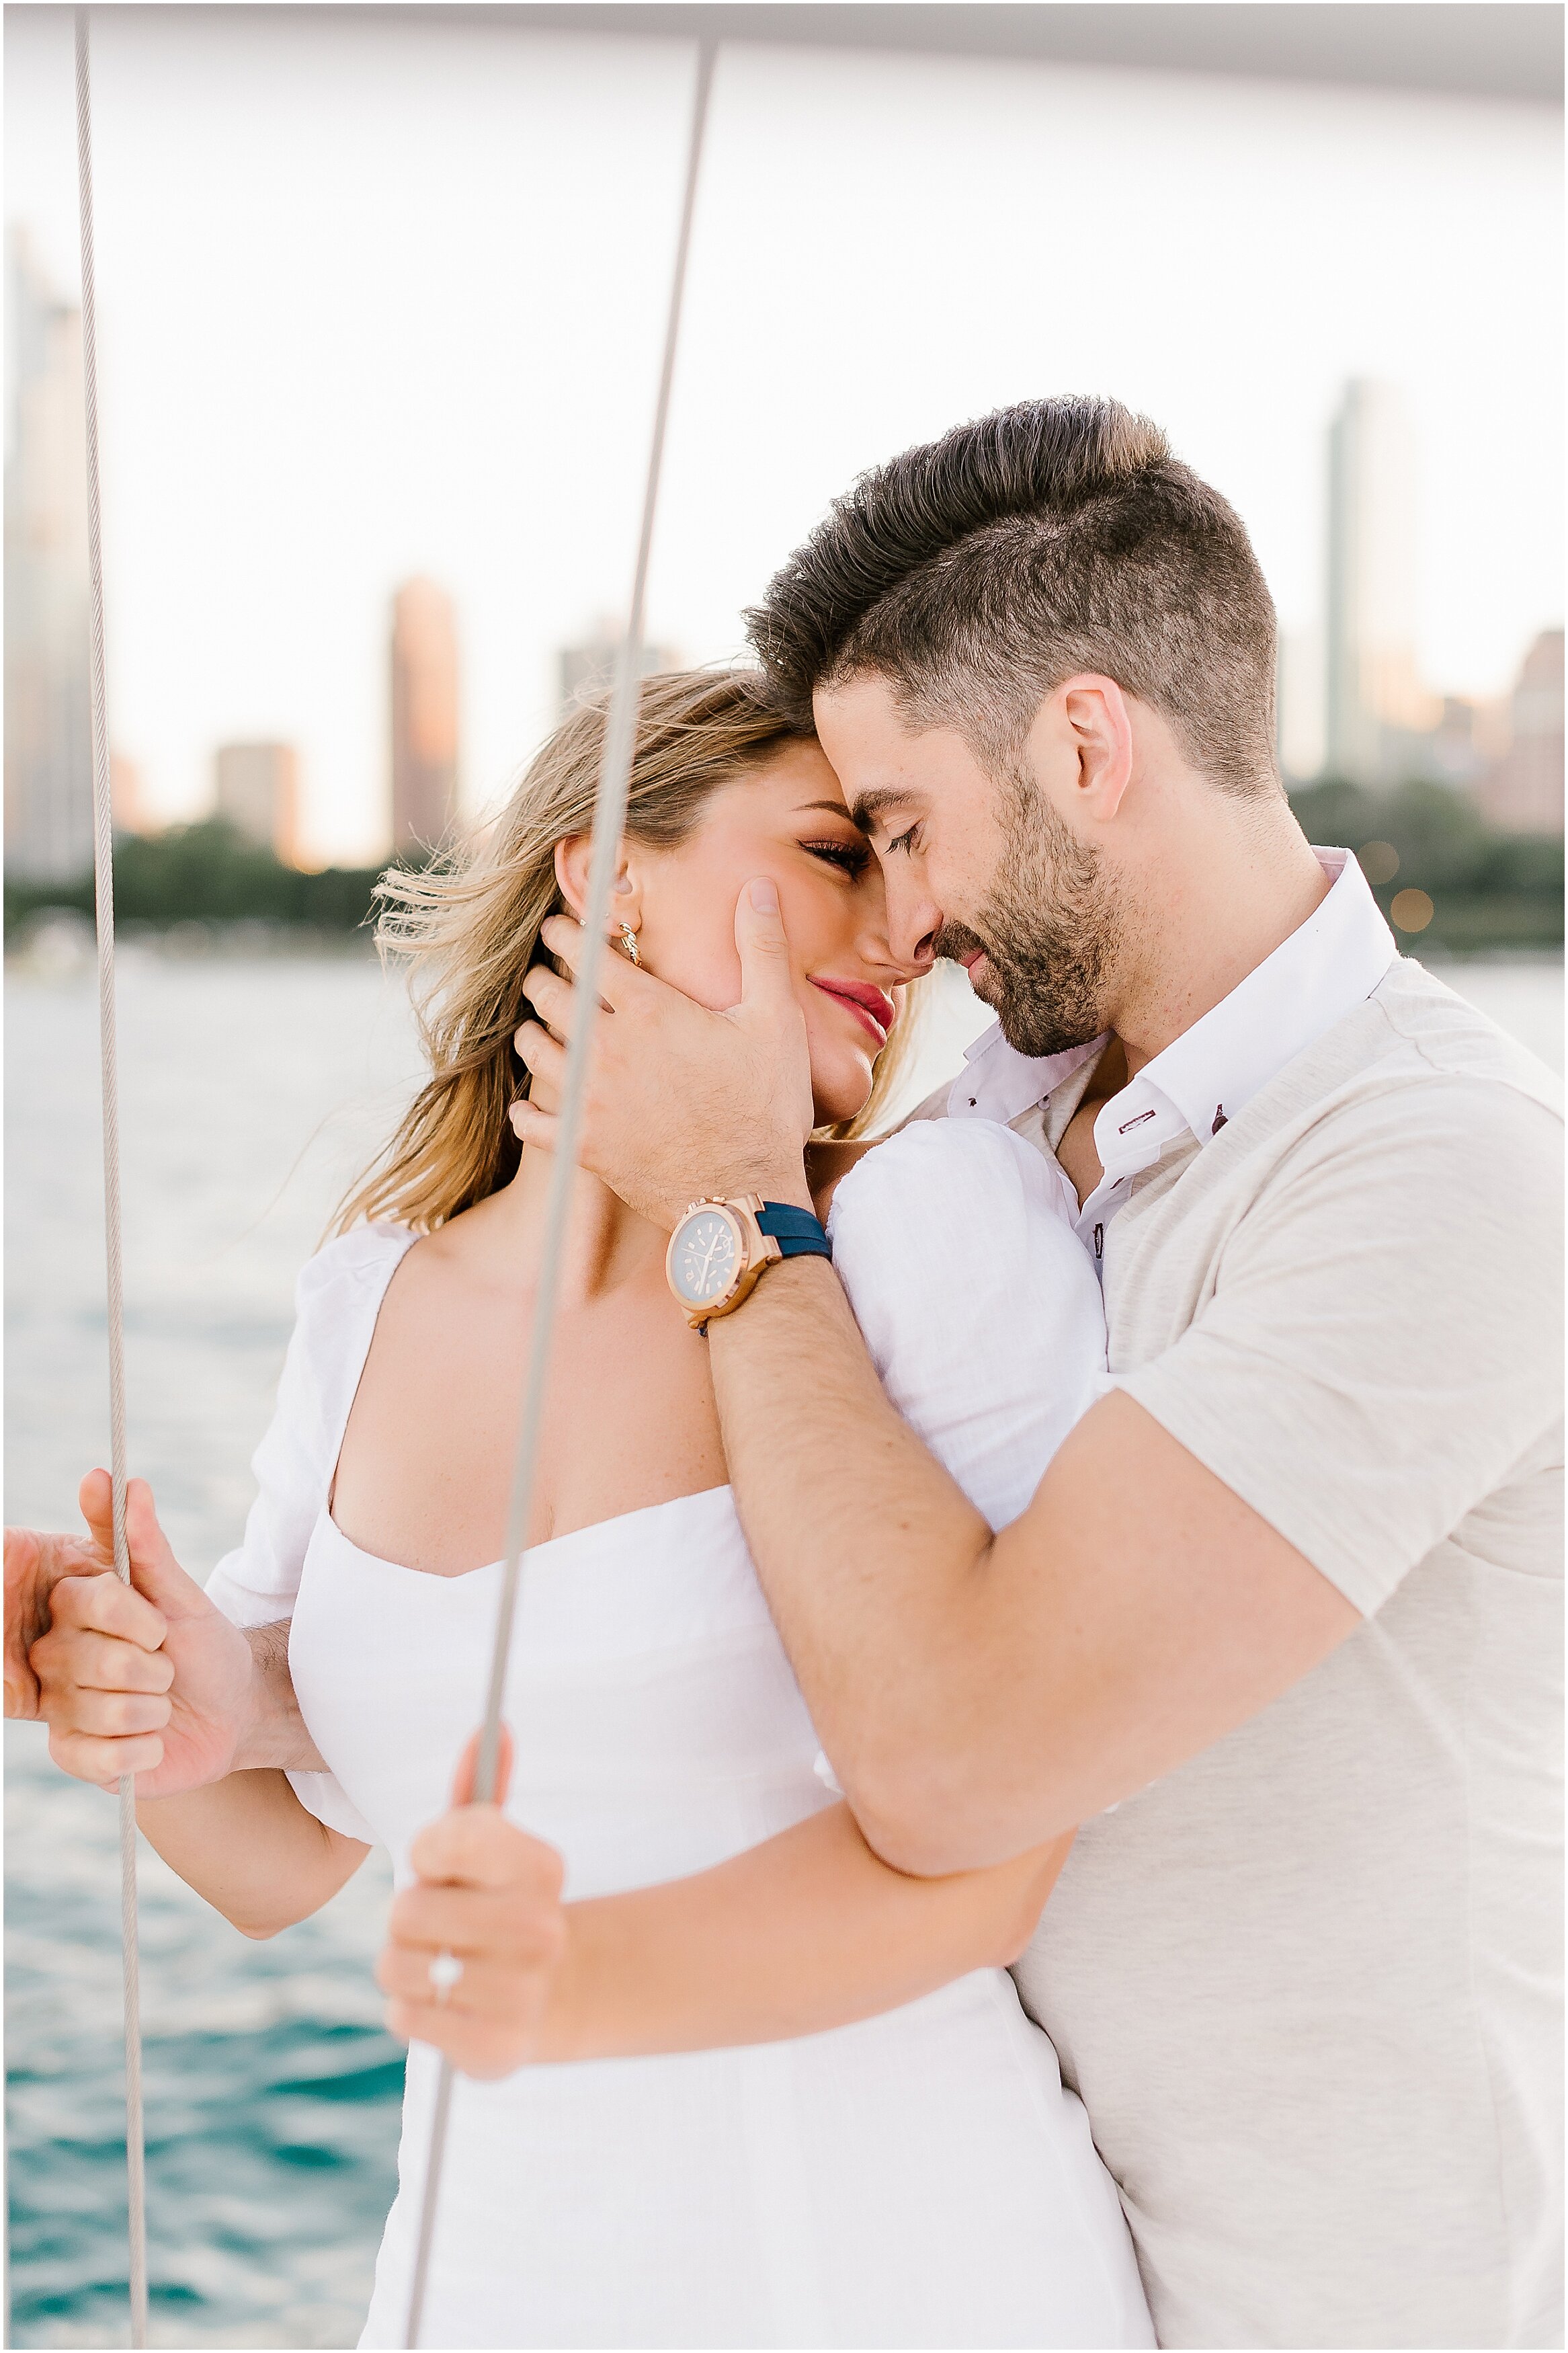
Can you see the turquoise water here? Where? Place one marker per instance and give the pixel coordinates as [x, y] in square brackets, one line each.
[252, 1090]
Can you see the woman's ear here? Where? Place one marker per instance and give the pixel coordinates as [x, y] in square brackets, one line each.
[573, 858]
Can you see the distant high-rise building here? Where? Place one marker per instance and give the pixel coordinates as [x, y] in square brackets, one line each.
[48, 726]
[423, 717]
[127, 795]
[1374, 702]
[588, 668]
[259, 793]
[1522, 790]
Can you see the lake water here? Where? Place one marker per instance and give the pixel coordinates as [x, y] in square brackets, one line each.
[252, 1091]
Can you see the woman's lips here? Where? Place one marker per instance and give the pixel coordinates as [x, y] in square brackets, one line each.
[875, 1012]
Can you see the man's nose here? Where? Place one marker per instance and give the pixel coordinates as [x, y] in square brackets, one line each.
[914, 922]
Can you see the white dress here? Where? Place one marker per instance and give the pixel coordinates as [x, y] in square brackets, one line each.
[922, 2178]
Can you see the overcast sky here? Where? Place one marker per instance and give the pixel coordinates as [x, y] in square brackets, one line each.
[377, 298]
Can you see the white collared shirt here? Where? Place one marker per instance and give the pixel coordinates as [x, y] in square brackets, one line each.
[1330, 964]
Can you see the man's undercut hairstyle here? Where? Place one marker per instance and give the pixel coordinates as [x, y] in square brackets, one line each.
[977, 573]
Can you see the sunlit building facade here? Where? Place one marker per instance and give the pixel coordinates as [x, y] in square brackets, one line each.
[48, 726]
[1522, 790]
[257, 790]
[1374, 704]
[423, 717]
[587, 669]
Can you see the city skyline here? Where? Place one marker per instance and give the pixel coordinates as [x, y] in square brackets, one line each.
[1379, 721]
[430, 347]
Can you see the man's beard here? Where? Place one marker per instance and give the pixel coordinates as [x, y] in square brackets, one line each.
[1049, 933]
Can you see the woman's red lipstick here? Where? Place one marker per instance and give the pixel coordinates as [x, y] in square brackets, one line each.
[868, 1004]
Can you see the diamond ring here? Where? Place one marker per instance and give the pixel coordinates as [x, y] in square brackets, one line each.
[446, 1971]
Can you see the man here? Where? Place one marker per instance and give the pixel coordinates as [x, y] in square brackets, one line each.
[1282, 1625]
[1279, 1628]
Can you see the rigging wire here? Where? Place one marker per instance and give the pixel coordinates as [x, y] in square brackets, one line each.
[103, 884]
[609, 813]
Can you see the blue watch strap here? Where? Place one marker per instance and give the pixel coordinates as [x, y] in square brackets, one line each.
[797, 1233]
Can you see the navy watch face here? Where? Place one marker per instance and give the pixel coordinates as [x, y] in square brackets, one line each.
[706, 1256]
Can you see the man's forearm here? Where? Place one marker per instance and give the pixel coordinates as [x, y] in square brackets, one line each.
[868, 1585]
[275, 1736]
[980, 1695]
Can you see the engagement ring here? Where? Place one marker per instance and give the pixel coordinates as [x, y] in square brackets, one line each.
[446, 1971]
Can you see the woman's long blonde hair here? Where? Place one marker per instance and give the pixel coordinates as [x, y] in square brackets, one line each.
[468, 928]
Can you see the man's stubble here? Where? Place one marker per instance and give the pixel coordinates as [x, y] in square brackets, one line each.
[1050, 931]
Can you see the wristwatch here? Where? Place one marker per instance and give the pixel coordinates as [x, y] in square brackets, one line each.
[719, 1249]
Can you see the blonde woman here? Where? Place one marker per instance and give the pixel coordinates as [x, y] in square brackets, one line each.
[809, 2109]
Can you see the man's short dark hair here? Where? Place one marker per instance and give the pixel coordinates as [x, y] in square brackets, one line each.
[979, 572]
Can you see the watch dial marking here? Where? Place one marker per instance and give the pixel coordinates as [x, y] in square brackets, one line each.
[706, 1258]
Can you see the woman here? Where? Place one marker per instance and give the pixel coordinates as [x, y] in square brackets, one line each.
[908, 2170]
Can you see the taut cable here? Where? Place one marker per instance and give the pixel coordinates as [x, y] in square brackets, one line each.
[103, 883]
[609, 815]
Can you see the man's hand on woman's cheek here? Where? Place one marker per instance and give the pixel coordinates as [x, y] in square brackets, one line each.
[680, 1101]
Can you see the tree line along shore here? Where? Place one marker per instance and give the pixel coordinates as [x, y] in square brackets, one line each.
[1449, 881]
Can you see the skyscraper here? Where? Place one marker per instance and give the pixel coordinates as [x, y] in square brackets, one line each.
[48, 726]
[589, 668]
[423, 717]
[1522, 791]
[1374, 700]
[258, 792]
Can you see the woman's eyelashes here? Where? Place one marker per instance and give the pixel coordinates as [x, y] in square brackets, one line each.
[851, 857]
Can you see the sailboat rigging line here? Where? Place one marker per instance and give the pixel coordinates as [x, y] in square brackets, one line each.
[103, 883]
[609, 815]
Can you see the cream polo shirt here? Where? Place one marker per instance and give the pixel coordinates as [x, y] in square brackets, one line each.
[1309, 1985]
[1205, 1077]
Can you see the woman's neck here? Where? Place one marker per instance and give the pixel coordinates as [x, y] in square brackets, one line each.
[607, 1244]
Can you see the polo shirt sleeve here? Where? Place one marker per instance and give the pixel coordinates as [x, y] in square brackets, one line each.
[1382, 1341]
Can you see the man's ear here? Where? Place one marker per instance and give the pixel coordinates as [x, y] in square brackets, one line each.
[572, 859]
[1086, 746]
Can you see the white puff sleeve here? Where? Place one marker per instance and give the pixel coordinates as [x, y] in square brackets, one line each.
[337, 1299]
[977, 1301]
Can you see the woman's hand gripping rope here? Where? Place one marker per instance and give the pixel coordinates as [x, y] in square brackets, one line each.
[474, 1948]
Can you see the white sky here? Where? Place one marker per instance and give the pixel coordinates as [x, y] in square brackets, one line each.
[382, 299]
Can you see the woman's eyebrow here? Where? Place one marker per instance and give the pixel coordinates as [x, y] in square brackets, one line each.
[835, 809]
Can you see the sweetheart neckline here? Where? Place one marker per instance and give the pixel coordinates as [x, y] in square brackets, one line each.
[532, 1552]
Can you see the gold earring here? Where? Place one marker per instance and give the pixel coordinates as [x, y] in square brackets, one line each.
[629, 942]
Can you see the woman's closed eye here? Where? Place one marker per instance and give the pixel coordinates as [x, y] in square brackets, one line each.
[851, 857]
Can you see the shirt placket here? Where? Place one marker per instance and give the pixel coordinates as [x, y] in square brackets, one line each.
[1130, 1136]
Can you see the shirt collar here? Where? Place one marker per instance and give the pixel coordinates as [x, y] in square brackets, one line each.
[1329, 965]
[997, 1083]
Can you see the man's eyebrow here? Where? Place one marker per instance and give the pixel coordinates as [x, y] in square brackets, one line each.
[869, 808]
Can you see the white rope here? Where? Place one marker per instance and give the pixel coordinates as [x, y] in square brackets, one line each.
[103, 881]
[609, 815]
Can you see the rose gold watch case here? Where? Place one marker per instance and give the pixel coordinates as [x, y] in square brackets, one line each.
[754, 1251]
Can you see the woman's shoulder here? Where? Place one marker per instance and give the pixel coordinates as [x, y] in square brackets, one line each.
[955, 1223]
[935, 1170]
[955, 1245]
[339, 1293]
[357, 1260]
